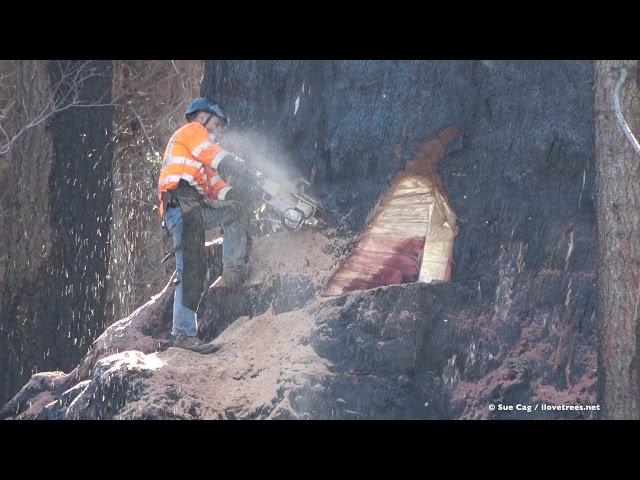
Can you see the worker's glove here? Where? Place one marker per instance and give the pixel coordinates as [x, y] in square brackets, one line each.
[235, 195]
[232, 167]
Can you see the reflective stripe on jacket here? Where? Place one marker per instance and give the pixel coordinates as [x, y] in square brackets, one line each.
[193, 157]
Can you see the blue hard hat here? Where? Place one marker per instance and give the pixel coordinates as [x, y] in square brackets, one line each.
[207, 105]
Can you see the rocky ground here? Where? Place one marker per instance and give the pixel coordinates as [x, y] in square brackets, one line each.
[417, 351]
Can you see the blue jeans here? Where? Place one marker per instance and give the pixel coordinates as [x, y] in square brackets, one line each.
[234, 253]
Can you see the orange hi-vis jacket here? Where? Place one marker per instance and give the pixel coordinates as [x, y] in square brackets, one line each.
[193, 156]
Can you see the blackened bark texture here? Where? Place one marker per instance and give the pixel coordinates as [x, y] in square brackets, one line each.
[521, 181]
[54, 297]
[523, 171]
[80, 196]
[618, 207]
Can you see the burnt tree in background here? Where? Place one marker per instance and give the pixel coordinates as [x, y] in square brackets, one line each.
[58, 215]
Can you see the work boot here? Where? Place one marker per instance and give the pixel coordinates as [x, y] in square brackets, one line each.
[195, 344]
[235, 276]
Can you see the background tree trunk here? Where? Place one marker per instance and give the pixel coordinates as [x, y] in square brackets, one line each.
[618, 224]
[151, 97]
[27, 233]
[56, 223]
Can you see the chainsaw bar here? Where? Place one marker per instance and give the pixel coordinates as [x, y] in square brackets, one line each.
[303, 197]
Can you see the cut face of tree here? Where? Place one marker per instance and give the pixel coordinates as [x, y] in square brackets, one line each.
[437, 255]
[411, 235]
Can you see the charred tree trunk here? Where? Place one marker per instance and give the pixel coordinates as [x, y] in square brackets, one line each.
[57, 229]
[618, 219]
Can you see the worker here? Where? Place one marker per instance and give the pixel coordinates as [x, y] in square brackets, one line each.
[193, 197]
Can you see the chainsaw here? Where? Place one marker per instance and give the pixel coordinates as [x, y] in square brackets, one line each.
[295, 213]
[296, 207]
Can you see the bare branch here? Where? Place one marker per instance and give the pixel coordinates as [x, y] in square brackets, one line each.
[184, 87]
[4, 132]
[144, 130]
[616, 106]
[65, 94]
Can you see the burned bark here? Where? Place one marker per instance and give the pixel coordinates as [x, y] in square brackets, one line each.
[57, 236]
